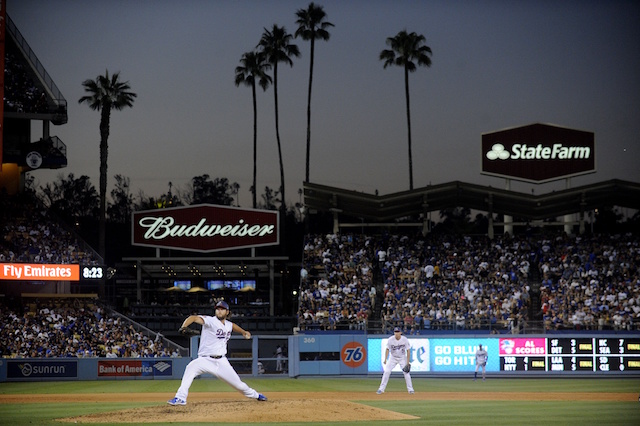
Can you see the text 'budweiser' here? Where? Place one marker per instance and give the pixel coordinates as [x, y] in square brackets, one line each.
[159, 228]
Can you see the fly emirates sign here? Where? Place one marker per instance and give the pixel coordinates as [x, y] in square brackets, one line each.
[39, 272]
[538, 153]
[205, 228]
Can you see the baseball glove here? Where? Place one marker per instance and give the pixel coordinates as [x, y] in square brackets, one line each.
[188, 331]
[407, 368]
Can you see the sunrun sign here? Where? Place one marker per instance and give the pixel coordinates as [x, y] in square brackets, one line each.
[205, 228]
[538, 153]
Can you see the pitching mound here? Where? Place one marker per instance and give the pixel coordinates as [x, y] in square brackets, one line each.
[247, 411]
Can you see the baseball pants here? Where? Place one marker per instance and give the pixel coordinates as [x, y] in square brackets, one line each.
[220, 368]
[391, 363]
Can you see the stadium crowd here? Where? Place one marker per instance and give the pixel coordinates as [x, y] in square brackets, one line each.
[73, 328]
[336, 289]
[434, 283]
[31, 235]
[590, 282]
[449, 282]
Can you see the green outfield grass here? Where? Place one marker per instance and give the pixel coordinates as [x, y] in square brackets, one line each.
[467, 412]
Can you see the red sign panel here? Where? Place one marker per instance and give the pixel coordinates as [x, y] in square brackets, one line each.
[538, 153]
[39, 272]
[205, 228]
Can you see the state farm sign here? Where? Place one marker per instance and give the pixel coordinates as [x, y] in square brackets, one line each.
[538, 153]
[205, 228]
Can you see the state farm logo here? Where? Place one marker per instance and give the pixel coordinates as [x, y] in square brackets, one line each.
[498, 152]
[205, 228]
[538, 152]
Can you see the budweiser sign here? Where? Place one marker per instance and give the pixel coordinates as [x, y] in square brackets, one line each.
[538, 153]
[205, 228]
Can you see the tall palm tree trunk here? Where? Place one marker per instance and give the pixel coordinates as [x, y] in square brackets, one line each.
[104, 152]
[275, 94]
[406, 91]
[255, 145]
[309, 111]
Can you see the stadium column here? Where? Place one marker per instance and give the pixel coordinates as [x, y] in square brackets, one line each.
[508, 225]
[139, 281]
[271, 287]
[568, 218]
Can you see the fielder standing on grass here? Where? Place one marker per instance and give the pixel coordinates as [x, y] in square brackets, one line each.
[481, 362]
[212, 359]
[398, 352]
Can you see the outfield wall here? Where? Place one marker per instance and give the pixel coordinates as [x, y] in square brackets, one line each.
[361, 354]
[577, 354]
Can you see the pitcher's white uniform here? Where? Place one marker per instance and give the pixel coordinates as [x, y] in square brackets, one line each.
[212, 359]
[397, 355]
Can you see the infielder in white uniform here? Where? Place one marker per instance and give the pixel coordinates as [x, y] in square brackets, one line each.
[398, 352]
[481, 362]
[212, 352]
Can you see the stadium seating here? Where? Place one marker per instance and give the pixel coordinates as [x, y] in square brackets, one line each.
[449, 283]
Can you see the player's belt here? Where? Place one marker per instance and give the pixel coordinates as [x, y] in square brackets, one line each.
[216, 356]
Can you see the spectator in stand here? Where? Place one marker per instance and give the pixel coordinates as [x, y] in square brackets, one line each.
[31, 235]
[585, 281]
[71, 329]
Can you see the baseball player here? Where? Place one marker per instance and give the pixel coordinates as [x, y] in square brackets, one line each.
[481, 362]
[212, 352]
[398, 352]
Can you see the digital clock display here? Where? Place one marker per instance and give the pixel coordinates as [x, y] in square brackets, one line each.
[92, 272]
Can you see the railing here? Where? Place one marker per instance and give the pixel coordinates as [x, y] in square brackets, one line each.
[60, 101]
[58, 145]
[479, 327]
[150, 333]
[168, 324]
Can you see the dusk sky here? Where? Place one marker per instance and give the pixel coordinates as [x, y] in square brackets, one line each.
[495, 64]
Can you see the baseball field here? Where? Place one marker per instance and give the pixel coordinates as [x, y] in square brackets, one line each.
[328, 401]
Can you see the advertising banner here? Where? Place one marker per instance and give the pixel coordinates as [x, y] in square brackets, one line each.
[37, 370]
[538, 153]
[353, 354]
[205, 228]
[39, 272]
[419, 355]
[134, 368]
[458, 355]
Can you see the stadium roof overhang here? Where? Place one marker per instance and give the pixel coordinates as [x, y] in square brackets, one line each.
[391, 207]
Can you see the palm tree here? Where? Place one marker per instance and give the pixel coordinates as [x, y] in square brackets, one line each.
[311, 26]
[276, 46]
[104, 94]
[405, 49]
[253, 67]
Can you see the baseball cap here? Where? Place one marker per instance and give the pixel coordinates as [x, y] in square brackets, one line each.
[222, 304]
[396, 329]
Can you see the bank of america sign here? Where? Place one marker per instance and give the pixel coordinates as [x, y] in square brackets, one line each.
[205, 228]
[538, 153]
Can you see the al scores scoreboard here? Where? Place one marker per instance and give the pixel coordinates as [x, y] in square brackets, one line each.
[601, 354]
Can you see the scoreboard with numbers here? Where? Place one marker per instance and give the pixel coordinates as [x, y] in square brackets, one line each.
[580, 354]
[568, 354]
